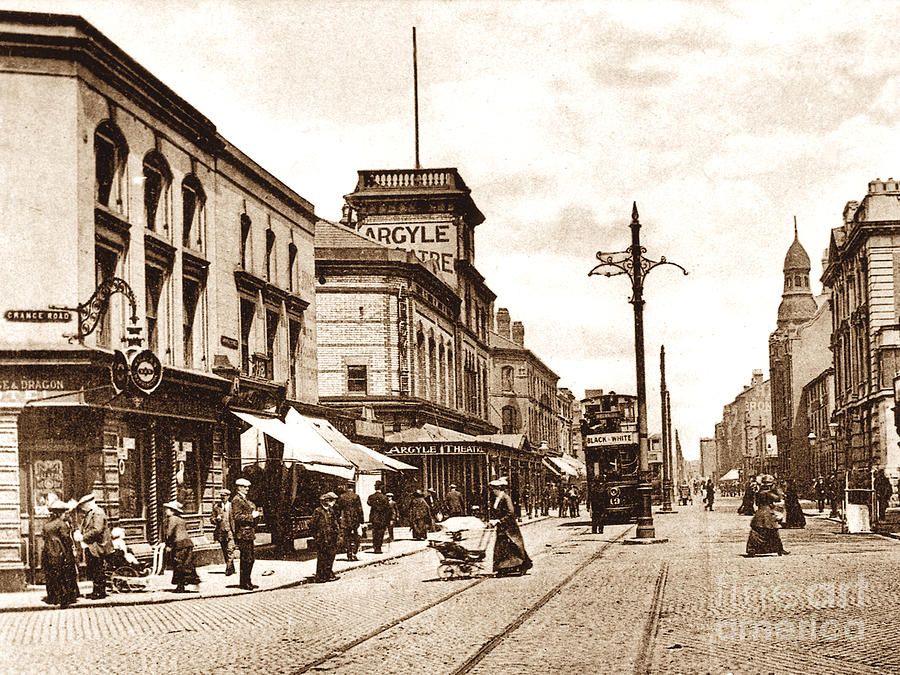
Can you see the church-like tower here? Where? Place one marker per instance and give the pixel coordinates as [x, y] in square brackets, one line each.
[797, 303]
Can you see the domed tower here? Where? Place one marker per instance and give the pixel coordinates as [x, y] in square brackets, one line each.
[797, 303]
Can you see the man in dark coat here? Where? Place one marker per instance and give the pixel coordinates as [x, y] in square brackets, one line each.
[324, 529]
[420, 517]
[58, 558]
[793, 511]
[883, 492]
[350, 516]
[380, 513]
[821, 491]
[835, 492]
[599, 502]
[97, 540]
[221, 520]
[455, 505]
[180, 548]
[747, 507]
[710, 495]
[243, 522]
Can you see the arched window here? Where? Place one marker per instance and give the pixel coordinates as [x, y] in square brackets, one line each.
[157, 179]
[193, 201]
[110, 152]
[506, 378]
[510, 417]
[270, 253]
[292, 268]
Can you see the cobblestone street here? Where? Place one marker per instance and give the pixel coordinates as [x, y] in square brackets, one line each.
[590, 604]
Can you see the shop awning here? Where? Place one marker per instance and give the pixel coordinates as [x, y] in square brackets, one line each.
[302, 444]
[364, 459]
[734, 474]
[560, 468]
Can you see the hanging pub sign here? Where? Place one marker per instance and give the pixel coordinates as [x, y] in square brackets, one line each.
[146, 371]
[121, 371]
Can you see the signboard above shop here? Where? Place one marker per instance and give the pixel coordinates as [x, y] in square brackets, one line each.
[610, 439]
[436, 449]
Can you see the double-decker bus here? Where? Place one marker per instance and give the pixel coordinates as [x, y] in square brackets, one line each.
[610, 442]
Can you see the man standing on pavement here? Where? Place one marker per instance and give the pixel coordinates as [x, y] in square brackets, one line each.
[821, 491]
[883, 492]
[454, 500]
[380, 513]
[243, 519]
[221, 520]
[180, 548]
[710, 495]
[96, 539]
[350, 515]
[324, 529]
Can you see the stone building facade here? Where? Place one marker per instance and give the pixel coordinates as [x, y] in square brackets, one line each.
[863, 275]
[129, 211]
[741, 438]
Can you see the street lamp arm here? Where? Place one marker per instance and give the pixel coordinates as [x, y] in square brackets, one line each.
[620, 260]
[647, 265]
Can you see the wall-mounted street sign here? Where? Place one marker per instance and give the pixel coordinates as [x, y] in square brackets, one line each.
[38, 315]
[618, 438]
[146, 371]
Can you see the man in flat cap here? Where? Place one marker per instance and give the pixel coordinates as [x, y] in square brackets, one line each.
[324, 529]
[243, 519]
[96, 539]
[221, 520]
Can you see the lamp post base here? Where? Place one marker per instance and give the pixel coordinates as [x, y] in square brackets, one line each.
[645, 540]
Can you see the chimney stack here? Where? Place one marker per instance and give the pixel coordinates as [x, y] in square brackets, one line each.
[518, 333]
[503, 322]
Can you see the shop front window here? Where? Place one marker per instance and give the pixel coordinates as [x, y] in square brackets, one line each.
[131, 492]
[187, 475]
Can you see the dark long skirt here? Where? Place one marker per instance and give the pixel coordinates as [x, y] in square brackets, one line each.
[509, 551]
[747, 508]
[793, 513]
[183, 569]
[764, 540]
[62, 583]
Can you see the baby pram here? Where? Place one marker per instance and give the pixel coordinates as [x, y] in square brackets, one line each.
[461, 556]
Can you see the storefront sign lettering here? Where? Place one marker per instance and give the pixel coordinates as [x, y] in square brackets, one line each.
[38, 315]
[600, 440]
[437, 449]
[26, 384]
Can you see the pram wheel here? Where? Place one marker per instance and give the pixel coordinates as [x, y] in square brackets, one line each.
[121, 579]
[446, 571]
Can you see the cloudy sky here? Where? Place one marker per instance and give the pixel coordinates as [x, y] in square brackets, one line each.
[722, 121]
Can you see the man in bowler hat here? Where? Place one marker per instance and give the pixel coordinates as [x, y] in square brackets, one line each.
[243, 518]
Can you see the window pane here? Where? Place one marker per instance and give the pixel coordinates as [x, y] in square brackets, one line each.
[153, 186]
[104, 167]
[189, 206]
[357, 379]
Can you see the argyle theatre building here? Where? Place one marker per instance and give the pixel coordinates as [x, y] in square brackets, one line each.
[129, 210]
[403, 327]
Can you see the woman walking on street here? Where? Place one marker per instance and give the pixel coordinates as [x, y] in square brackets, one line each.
[58, 558]
[420, 517]
[764, 537]
[180, 547]
[793, 512]
[509, 549]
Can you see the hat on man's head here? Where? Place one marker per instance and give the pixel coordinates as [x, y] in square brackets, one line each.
[224, 493]
[117, 533]
[452, 486]
[176, 506]
[242, 482]
[328, 497]
[389, 494]
[499, 482]
[58, 505]
[87, 499]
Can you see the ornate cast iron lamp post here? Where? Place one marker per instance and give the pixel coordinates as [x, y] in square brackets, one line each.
[632, 263]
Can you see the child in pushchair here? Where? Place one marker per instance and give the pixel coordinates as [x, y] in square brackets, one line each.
[456, 559]
[124, 571]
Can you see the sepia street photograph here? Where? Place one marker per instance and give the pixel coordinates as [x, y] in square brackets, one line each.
[396, 337]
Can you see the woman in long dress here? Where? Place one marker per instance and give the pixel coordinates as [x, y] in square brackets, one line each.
[764, 537]
[746, 508]
[509, 549]
[793, 512]
[58, 558]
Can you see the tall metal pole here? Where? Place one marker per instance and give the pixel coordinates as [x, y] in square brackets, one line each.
[633, 263]
[416, 95]
[645, 529]
[665, 478]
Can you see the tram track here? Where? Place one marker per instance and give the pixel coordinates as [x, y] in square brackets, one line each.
[488, 646]
[644, 662]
